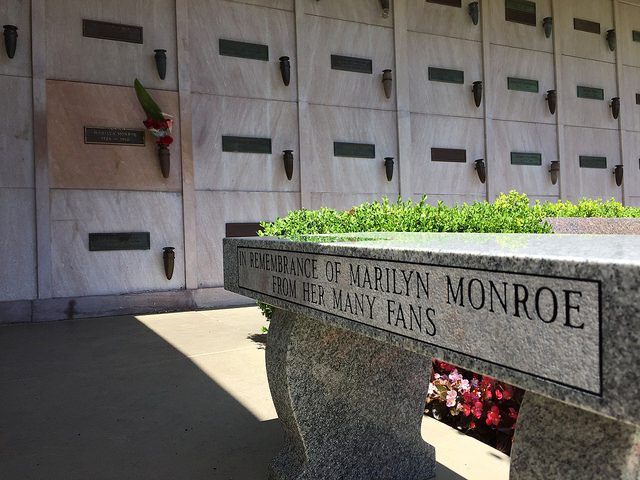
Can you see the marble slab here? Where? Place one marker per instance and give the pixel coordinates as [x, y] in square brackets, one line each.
[441, 97]
[566, 327]
[215, 209]
[629, 50]
[328, 173]
[16, 133]
[506, 104]
[521, 137]
[80, 272]
[279, 4]
[629, 103]
[212, 20]
[18, 13]
[631, 153]
[446, 178]
[215, 116]
[590, 182]
[519, 35]
[18, 244]
[324, 37]
[361, 11]
[70, 56]
[74, 164]
[346, 201]
[442, 20]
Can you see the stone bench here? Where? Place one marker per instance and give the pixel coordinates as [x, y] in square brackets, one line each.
[359, 317]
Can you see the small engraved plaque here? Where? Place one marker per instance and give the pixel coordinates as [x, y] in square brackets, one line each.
[112, 31]
[446, 75]
[590, 93]
[522, 85]
[448, 155]
[635, 35]
[252, 51]
[448, 3]
[246, 144]
[529, 159]
[637, 98]
[105, 242]
[242, 229]
[593, 162]
[114, 136]
[586, 26]
[354, 150]
[520, 11]
[351, 64]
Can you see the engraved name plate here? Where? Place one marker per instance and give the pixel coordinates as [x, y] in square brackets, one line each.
[590, 93]
[637, 98]
[252, 51]
[448, 3]
[592, 162]
[351, 64]
[112, 31]
[448, 155]
[246, 144]
[530, 159]
[520, 11]
[522, 85]
[242, 229]
[586, 26]
[446, 75]
[354, 150]
[105, 242]
[114, 136]
[635, 35]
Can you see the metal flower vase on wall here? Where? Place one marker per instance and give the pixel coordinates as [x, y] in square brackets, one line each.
[388, 165]
[160, 57]
[554, 171]
[552, 101]
[385, 8]
[477, 93]
[287, 157]
[285, 70]
[615, 107]
[474, 12]
[168, 258]
[164, 156]
[10, 39]
[547, 26]
[481, 170]
[611, 39]
[618, 171]
[387, 82]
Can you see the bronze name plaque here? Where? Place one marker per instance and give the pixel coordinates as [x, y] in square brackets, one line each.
[592, 162]
[114, 136]
[246, 144]
[354, 150]
[586, 26]
[637, 98]
[107, 242]
[112, 31]
[351, 64]
[635, 35]
[446, 75]
[529, 159]
[523, 85]
[242, 229]
[590, 93]
[251, 51]
[448, 3]
[520, 11]
[448, 155]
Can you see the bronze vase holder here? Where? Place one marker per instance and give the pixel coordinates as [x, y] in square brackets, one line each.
[387, 82]
[481, 170]
[168, 258]
[477, 93]
[618, 171]
[164, 156]
[552, 101]
[554, 171]
[388, 165]
[10, 39]
[547, 25]
[615, 107]
[287, 157]
[285, 70]
[385, 8]
[160, 57]
[474, 12]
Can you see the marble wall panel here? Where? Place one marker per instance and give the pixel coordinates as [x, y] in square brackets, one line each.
[590, 182]
[629, 49]
[446, 178]
[587, 112]
[631, 151]
[324, 37]
[326, 125]
[212, 20]
[439, 97]
[215, 116]
[582, 44]
[518, 105]
[79, 272]
[16, 132]
[629, 103]
[521, 137]
[18, 13]
[279, 4]
[18, 244]
[73, 164]
[514, 34]
[70, 56]
[215, 209]
[442, 20]
[346, 201]
[361, 11]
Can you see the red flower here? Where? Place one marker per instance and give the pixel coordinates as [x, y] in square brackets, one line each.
[498, 394]
[166, 140]
[493, 416]
[513, 413]
[506, 394]
[466, 410]
[487, 394]
[477, 410]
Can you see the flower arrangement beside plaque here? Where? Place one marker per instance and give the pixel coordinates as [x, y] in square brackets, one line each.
[159, 124]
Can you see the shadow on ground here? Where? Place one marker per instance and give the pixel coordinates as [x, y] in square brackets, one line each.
[110, 399]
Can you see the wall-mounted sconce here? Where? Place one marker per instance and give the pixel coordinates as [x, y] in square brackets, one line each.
[615, 107]
[287, 157]
[169, 259]
[547, 25]
[477, 93]
[481, 169]
[161, 62]
[385, 8]
[611, 39]
[552, 101]
[618, 172]
[388, 166]
[285, 70]
[164, 155]
[554, 171]
[474, 12]
[10, 39]
[387, 82]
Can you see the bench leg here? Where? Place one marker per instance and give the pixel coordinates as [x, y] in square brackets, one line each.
[351, 407]
[554, 440]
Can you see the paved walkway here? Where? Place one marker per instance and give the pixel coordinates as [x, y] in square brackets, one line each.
[175, 396]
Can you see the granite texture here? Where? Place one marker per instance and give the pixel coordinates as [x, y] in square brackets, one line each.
[347, 409]
[555, 440]
[600, 226]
